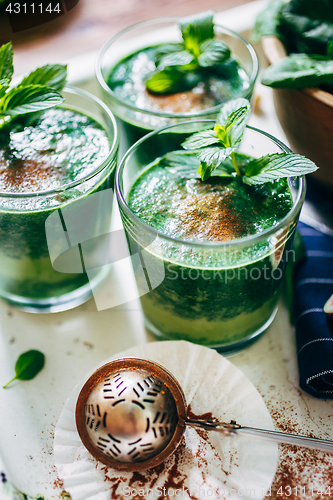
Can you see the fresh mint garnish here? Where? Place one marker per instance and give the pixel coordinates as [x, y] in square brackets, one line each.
[199, 50]
[275, 166]
[213, 147]
[35, 93]
[28, 365]
[6, 62]
[52, 75]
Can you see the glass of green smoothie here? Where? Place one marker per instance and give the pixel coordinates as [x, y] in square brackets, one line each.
[128, 60]
[56, 180]
[223, 244]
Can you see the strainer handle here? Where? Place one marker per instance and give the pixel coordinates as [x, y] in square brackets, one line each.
[276, 436]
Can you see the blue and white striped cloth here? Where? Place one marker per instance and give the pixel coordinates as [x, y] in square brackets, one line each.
[313, 287]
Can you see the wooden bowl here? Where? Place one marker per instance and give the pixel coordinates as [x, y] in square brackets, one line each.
[306, 117]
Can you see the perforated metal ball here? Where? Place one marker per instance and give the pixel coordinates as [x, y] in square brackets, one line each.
[128, 415]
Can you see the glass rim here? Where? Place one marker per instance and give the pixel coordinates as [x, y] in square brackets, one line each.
[204, 112]
[113, 149]
[244, 241]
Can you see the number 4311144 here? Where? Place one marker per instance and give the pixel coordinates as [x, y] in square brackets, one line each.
[32, 8]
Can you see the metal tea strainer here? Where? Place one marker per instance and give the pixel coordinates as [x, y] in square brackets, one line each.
[131, 415]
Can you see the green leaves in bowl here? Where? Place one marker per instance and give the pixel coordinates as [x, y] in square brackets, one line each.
[35, 93]
[214, 147]
[299, 71]
[177, 62]
[305, 28]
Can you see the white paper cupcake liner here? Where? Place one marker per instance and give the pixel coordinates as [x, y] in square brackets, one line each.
[206, 464]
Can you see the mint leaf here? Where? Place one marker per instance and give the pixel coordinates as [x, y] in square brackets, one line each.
[52, 75]
[275, 166]
[4, 84]
[166, 81]
[181, 58]
[28, 99]
[221, 133]
[298, 71]
[213, 52]
[28, 365]
[214, 156]
[196, 29]
[201, 140]
[6, 62]
[234, 116]
[167, 48]
[330, 49]
[183, 162]
[206, 170]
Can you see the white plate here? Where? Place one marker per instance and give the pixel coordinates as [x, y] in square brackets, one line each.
[206, 464]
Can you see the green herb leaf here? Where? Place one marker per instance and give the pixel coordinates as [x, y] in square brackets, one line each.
[234, 116]
[28, 99]
[4, 84]
[184, 162]
[28, 365]
[196, 29]
[213, 52]
[166, 81]
[207, 170]
[214, 156]
[51, 75]
[307, 26]
[330, 49]
[268, 21]
[201, 140]
[298, 71]
[181, 58]
[275, 166]
[6, 62]
[167, 48]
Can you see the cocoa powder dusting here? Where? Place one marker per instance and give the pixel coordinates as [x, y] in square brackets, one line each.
[302, 473]
[172, 475]
[211, 215]
[27, 175]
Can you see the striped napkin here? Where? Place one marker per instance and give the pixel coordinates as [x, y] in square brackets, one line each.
[313, 287]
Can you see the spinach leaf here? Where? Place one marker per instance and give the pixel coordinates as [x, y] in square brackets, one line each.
[28, 365]
[298, 71]
[268, 21]
[307, 25]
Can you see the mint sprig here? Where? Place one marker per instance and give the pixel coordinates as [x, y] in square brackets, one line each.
[36, 92]
[199, 49]
[214, 147]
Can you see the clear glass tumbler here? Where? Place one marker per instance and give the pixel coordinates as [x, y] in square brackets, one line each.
[48, 238]
[137, 121]
[219, 294]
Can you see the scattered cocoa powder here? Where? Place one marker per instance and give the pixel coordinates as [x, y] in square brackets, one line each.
[302, 473]
[171, 475]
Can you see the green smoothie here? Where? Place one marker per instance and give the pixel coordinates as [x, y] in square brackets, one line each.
[212, 297]
[61, 147]
[212, 86]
